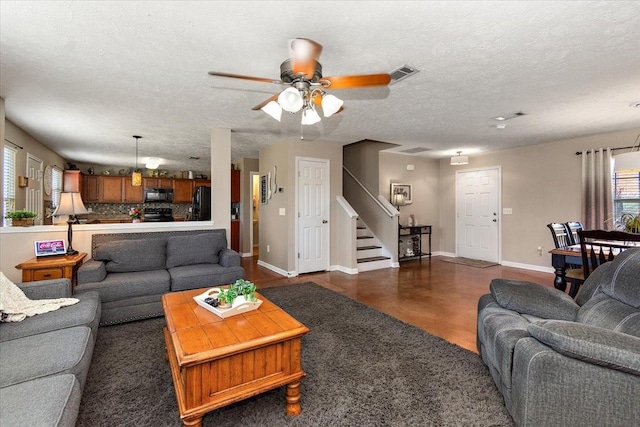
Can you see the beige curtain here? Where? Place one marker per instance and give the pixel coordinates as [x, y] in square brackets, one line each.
[597, 198]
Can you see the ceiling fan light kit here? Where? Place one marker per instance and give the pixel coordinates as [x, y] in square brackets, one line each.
[303, 74]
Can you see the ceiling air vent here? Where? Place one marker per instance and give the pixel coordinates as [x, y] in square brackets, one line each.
[415, 150]
[402, 73]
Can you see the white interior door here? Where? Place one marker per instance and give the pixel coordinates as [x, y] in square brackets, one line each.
[34, 190]
[313, 215]
[478, 214]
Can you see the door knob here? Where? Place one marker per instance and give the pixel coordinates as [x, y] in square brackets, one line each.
[324, 221]
[495, 220]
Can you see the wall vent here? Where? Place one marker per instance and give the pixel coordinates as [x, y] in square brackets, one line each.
[402, 73]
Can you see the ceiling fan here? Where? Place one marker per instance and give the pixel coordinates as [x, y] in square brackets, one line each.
[307, 86]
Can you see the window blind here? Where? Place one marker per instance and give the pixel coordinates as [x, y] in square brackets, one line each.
[8, 182]
[56, 186]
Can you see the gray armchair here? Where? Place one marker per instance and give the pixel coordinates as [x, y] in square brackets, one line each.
[559, 362]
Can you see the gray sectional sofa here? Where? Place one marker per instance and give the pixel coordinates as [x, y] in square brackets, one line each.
[46, 358]
[131, 271]
[560, 362]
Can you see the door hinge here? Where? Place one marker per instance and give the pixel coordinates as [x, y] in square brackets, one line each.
[298, 255]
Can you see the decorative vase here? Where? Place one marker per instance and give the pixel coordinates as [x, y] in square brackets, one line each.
[22, 222]
[135, 220]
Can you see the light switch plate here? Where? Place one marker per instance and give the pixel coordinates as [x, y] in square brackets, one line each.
[507, 211]
[282, 211]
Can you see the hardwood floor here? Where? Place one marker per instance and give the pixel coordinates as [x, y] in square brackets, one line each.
[438, 297]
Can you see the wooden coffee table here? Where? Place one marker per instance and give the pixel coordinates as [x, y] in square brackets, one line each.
[216, 362]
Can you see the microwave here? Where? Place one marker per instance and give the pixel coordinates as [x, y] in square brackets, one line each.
[158, 195]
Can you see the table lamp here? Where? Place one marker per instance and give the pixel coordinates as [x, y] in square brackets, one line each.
[70, 204]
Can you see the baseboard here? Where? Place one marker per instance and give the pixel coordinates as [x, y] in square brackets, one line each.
[532, 267]
[246, 254]
[343, 269]
[277, 269]
[441, 253]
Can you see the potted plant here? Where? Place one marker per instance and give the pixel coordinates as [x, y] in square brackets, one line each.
[245, 288]
[135, 214]
[226, 297]
[630, 223]
[21, 218]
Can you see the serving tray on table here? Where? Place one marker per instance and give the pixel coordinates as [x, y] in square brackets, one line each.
[239, 306]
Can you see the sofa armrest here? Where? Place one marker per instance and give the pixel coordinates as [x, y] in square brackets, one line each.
[47, 289]
[591, 344]
[533, 299]
[229, 258]
[92, 271]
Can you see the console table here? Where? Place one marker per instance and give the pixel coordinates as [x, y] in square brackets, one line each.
[410, 237]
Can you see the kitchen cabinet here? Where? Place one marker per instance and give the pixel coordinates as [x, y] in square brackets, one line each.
[235, 186]
[157, 182]
[90, 191]
[71, 181]
[130, 193]
[201, 183]
[110, 189]
[182, 190]
[235, 235]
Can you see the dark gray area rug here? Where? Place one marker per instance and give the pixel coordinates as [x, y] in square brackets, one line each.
[364, 368]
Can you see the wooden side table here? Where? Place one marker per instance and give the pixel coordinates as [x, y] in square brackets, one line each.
[52, 267]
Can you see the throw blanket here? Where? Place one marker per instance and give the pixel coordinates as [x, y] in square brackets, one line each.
[15, 306]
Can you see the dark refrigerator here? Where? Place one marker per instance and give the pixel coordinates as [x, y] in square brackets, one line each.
[201, 204]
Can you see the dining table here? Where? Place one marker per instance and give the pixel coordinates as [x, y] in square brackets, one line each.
[561, 258]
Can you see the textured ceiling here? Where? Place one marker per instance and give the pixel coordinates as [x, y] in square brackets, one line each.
[82, 77]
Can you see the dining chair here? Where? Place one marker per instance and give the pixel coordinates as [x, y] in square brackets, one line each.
[600, 246]
[560, 234]
[572, 229]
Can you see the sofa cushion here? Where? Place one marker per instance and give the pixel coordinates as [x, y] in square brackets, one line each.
[86, 312]
[605, 312]
[49, 401]
[533, 299]
[589, 343]
[132, 255]
[203, 276]
[63, 351]
[624, 284]
[195, 249]
[119, 286]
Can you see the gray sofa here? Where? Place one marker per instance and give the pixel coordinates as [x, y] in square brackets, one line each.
[44, 360]
[131, 271]
[560, 362]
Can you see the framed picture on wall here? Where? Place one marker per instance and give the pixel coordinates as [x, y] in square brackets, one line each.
[264, 187]
[401, 194]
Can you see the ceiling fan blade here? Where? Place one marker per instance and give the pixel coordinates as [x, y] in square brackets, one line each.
[304, 54]
[239, 76]
[273, 98]
[364, 80]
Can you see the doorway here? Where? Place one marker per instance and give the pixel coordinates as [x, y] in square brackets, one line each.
[478, 213]
[313, 214]
[254, 229]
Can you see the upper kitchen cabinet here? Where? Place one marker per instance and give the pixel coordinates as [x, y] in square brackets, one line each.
[130, 193]
[90, 191]
[235, 186]
[110, 189]
[71, 181]
[157, 182]
[182, 190]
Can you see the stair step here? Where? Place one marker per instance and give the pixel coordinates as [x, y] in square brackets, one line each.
[364, 248]
[373, 258]
[361, 228]
[364, 237]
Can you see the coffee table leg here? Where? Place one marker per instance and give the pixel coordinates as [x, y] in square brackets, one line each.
[293, 399]
[194, 422]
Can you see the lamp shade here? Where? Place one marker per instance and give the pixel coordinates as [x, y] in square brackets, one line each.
[136, 179]
[627, 162]
[290, 100]
[330, 105]
[273, 109]
[310, 117]
[70, 204]
[460, 160]
[398, 199]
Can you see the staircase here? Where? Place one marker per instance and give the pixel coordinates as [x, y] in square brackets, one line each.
[369, 251]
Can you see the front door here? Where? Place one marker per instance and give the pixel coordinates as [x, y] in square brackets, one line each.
[477, 214]
[313, 215]
[34, 190]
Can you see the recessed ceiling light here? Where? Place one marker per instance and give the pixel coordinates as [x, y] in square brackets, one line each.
[501, 126]
[499, 118]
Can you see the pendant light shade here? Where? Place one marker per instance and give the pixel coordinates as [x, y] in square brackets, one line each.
[310, 117]
[136, 176]
[330, 105]
[627, 162]
[460, 159]
[273, 109]
[290, 100]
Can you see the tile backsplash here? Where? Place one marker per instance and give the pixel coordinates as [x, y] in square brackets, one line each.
[179, 209]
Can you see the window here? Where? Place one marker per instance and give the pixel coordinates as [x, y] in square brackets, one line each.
[626, 193]
[8, 181]
[56, 186]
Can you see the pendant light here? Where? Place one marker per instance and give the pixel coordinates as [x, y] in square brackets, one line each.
[136, 176]
[460, 159]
